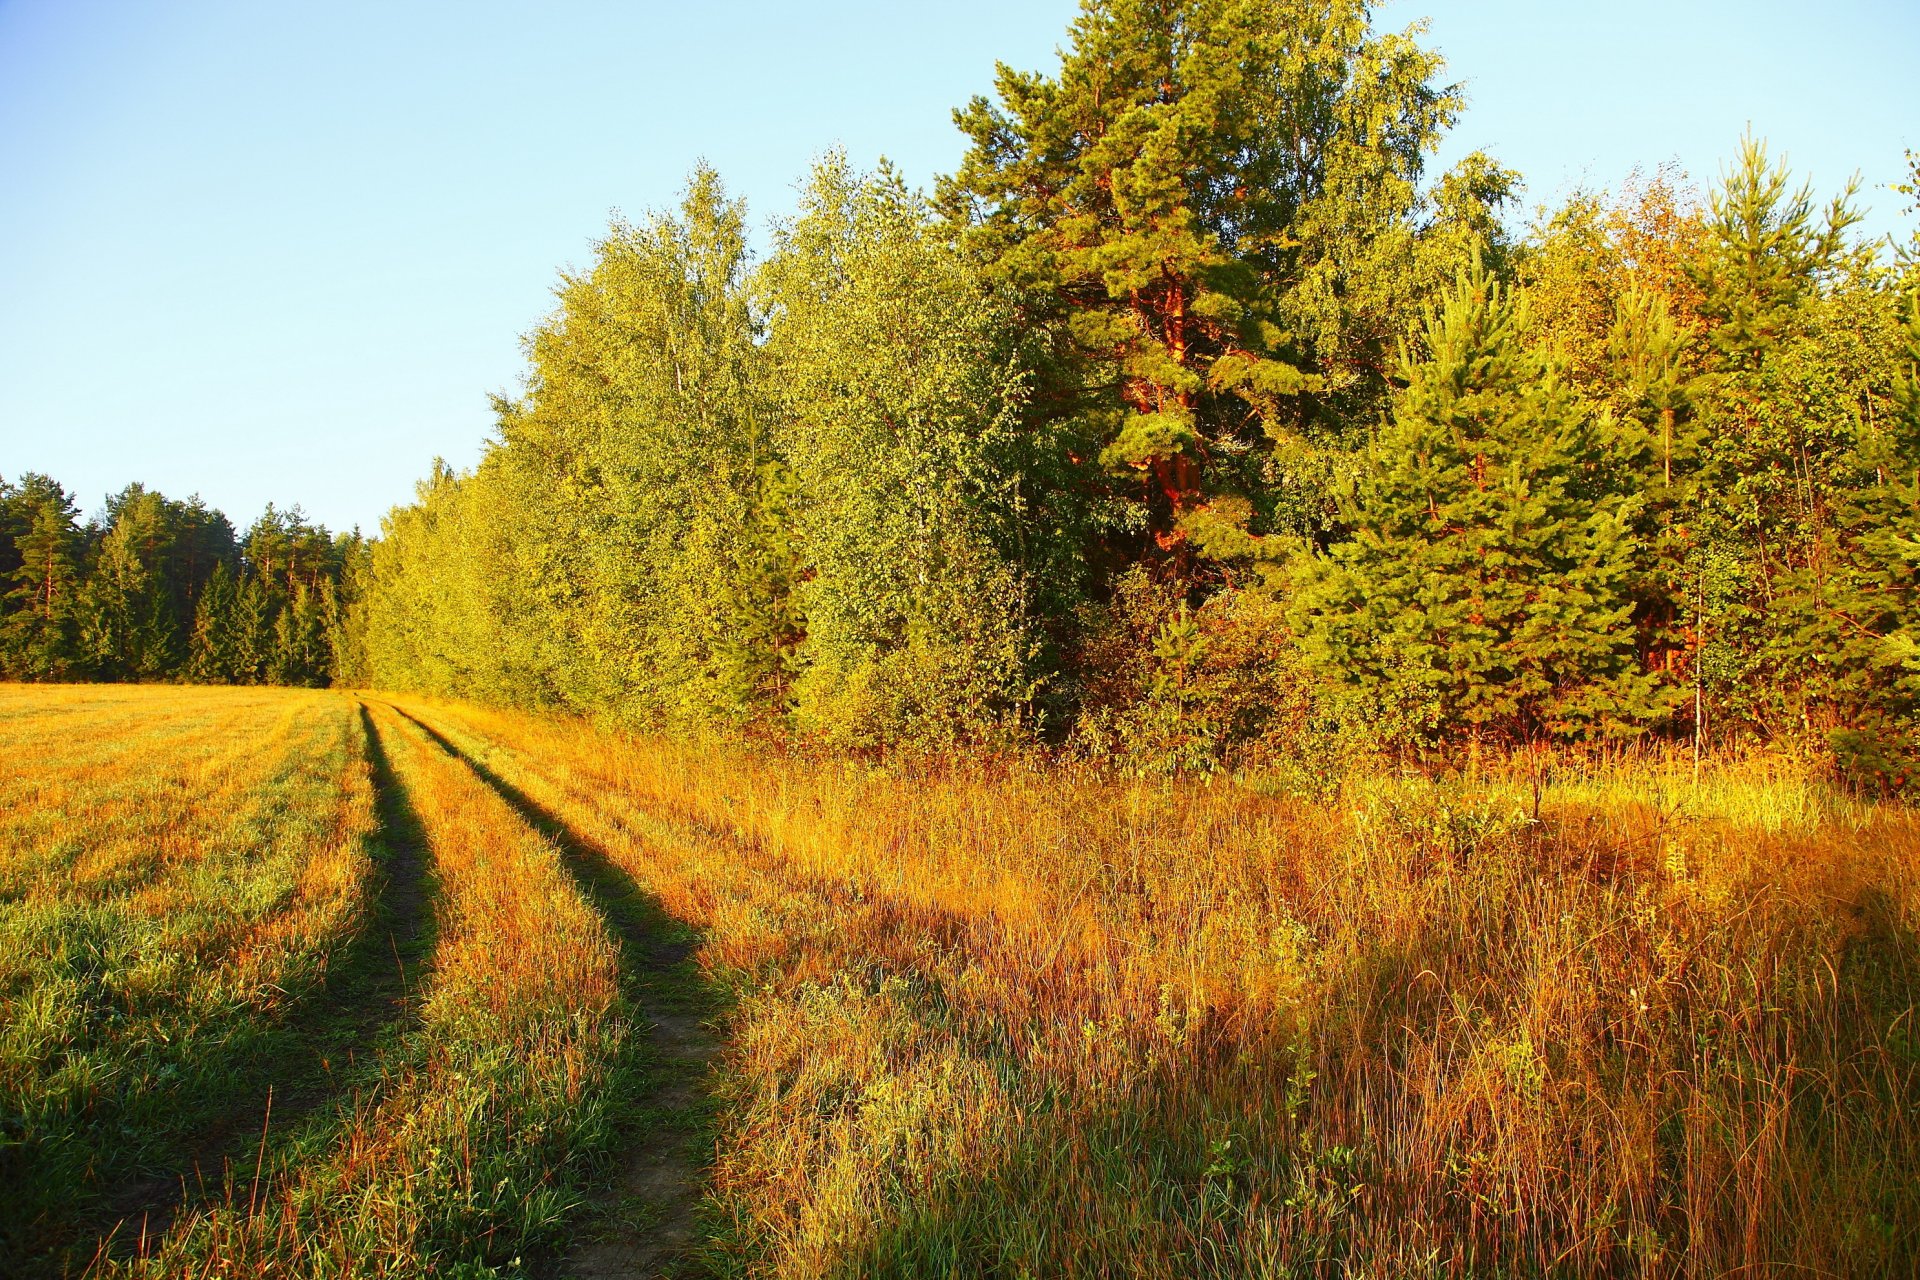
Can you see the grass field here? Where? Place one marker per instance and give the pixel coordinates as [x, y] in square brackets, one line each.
[315, 984]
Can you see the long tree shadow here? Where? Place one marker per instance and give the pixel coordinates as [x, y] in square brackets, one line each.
[644, 1222]
[327, 1048]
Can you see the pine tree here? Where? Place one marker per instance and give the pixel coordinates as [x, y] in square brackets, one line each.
[1214, 209]
[1487, 585]
[1767, 254]
[40, 640]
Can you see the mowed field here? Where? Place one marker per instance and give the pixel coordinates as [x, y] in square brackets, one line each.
[313, 983]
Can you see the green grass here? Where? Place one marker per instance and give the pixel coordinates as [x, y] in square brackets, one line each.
[150, 987]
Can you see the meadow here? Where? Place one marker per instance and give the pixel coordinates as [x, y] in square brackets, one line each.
[317, 983]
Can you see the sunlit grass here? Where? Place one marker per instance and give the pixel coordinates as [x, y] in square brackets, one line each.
[1542, 1018]
[472, 1143]
[175, 867]
[1027, 1021]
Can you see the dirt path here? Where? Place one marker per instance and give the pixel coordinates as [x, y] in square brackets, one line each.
[365, 1001]
[645, 1222]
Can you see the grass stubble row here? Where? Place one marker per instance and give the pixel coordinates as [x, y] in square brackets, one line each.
[1033, 1023]
[174, 872]
[472, 1142]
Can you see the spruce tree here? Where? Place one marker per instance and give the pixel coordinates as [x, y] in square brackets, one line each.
[40, 640]
[250, 635]
[210, 655]
[1486, 589]
[299, 651]
[113, 605]
[345, 614]
[1852, 614]
[1659, 438]
[1788, 386]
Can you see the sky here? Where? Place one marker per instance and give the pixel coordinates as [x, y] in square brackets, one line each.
[285, 252]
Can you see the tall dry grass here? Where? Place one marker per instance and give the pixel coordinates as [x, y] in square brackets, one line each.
[1027, 1021]
[1008, 1020]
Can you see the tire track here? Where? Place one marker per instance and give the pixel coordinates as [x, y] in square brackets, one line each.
[645, 1223]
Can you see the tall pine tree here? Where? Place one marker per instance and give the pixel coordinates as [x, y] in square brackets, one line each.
[1213, 210]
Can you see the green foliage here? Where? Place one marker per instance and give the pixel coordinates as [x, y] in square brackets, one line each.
[635, 456]
[1109, 445]
[1172, 689]
[1854, 637]
[1766, 256]
[150, 563]
[440, 596]
[43, 547]
[584, 562]
[1799, 508]
[1215, 209]
[758, 652]
[898, 394]
[157, 589]
[790, 498]
[1487, 581]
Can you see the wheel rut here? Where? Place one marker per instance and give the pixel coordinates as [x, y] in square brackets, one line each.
[364, 1002]
[645, 1220]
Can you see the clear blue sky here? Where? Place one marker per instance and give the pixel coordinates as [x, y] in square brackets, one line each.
[283, 251]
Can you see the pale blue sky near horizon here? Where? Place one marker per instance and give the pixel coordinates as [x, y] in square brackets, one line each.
[285, 252]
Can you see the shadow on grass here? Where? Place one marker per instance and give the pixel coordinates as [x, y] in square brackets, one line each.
[644, 1220]
[1210, 1174]
[326, 1048]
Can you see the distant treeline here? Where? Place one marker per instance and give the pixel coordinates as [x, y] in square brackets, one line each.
[1192, 421]
[155, 589]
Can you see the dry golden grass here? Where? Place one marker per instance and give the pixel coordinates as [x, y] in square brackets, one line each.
[1008, 1020]
[1027, 1022]
[175, 868]
[470, 1144]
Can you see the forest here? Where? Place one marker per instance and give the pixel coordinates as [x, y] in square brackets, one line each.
[158, 589]
[1192, 422]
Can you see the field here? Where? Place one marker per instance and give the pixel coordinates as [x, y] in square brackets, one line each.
[310, 983]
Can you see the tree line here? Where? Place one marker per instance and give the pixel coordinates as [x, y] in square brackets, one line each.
[1192, 420]
[159, 589]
